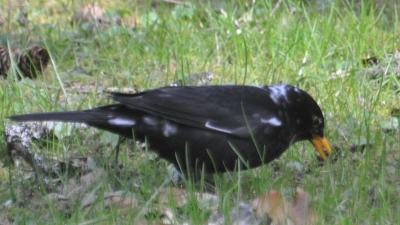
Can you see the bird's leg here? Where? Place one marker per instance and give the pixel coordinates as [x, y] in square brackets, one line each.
[121, 140]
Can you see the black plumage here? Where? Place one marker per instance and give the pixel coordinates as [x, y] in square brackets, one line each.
[211, 127]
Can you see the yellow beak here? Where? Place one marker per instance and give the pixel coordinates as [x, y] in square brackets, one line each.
[319, 143]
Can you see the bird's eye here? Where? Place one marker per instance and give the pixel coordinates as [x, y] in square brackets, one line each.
[316, 121]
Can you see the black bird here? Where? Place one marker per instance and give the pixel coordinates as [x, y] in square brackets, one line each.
[210, 127]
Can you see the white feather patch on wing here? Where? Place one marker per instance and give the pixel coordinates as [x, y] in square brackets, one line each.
[272, 121]
[209, 125]
[150, 120]
[169, 129]
[122, 122]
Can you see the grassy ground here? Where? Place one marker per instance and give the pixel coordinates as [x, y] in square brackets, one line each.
[319, 50]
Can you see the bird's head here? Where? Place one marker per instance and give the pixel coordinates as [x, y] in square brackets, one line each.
[307, 121]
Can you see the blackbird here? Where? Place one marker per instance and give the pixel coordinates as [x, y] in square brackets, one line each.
[209, 128]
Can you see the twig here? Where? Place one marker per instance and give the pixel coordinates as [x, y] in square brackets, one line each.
[276, 7]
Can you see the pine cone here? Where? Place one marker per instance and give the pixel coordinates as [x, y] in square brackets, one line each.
[31, 62]
[5, 61]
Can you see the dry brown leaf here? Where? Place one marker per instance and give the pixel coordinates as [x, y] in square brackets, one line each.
[56, 197]
[240, 215]
[124, 203]
[197, 79]
[89, 13]
[78, 191]
[94, 15]
[88, 200]
[58, 202]
[145, 222]
[132, 21]
[301, 210]
[114, 200]
[93, 177]
[126, 90]
[179, 196]
[273, 204]
[2, 20]
[172, 67]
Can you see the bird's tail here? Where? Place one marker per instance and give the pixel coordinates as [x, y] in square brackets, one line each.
[91, 116]
[72, 116]
[116, 118]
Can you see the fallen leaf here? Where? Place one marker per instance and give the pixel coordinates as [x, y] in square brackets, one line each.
[198, 79]
[390, 125]
[132, 21]
[179, 196]
[301, 210]
[89, 13]
[240, 215]
[122, 202]
[274, 205]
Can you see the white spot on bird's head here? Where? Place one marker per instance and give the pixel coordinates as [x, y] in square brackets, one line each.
[279, 91]
[272, 121]
[122, 122]
[169, 129]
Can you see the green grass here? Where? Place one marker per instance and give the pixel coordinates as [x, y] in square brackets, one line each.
[242, 45]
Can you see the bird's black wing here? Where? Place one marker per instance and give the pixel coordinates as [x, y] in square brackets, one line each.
[228, 109]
